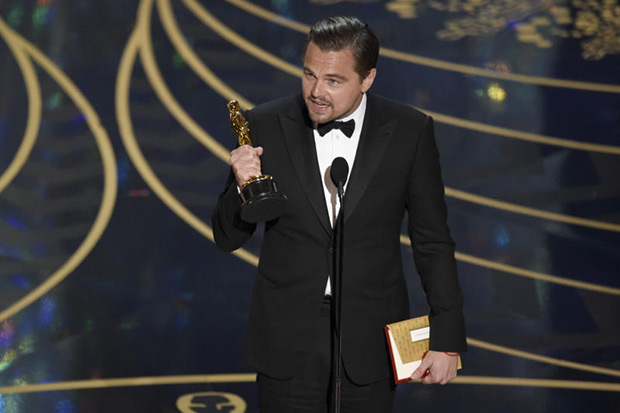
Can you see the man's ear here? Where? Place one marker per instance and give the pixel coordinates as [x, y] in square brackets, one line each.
[368, 80]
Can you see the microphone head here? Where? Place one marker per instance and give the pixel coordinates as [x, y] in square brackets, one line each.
[339, 171]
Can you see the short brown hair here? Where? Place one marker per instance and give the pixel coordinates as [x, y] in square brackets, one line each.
[342, 32]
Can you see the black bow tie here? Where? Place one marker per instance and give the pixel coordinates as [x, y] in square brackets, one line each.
[346, 127]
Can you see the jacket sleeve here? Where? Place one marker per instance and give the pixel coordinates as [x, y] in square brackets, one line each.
[229, 230]
[433, 247]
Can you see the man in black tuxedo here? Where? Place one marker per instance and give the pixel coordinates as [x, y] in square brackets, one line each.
[395, 169]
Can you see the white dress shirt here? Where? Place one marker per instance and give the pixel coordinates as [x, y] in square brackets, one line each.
[329, 147]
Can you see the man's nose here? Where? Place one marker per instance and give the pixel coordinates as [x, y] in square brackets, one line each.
[317, 90]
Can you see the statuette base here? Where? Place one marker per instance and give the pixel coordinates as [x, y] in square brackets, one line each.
[261, 200]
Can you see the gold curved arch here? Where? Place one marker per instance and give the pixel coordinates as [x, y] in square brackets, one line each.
[533, 212]
[33, 89]
[138, 41]
[509, 269]
[189, 56]
[173, 31]
[542, 383]
[543, 359]
[250, 378]
[437, 63]
[109, 175]
[229, 35]
[521, 135]
[225, 32]
[130, 382]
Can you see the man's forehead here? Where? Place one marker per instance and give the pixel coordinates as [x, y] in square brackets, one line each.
[326, 49]
[338, 57]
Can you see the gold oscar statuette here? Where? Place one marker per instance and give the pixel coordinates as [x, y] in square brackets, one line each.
[261, 199]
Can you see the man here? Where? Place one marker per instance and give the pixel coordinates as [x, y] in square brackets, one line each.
[394, 168]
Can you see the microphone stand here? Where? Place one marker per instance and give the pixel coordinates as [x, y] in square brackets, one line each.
[338, 253]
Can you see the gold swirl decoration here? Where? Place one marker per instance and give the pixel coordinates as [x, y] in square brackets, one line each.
[488, 72]
[33, 89]
[25, 53]
[130, 382]
[596, 23]
[250, 378]
[140, 42]
[510, 269]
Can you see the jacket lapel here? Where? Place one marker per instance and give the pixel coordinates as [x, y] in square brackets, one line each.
[374, 140]
[299, 140]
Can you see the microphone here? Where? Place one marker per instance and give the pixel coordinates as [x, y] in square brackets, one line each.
[339, 172]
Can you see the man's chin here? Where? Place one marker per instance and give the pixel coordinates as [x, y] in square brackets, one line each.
[320, 118]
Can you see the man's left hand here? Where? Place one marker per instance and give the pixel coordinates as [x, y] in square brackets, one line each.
[441, 368]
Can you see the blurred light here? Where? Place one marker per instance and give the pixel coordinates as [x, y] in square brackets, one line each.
[138, 193]
[15, 17]
[4, 365]
[128, 325]
[46, 311]
[39, 16]
[11, 403]
[177, 60]
[20, 381]
[122, 170]
[7, 333]
[26, 346]
[21, 282]
[10, 251]
[498, 66]
[16, 223]
[65, 406]
[281, 6]
[54, 101]
[496, 92]
[502, 238]
[9, 356]
[78, 119]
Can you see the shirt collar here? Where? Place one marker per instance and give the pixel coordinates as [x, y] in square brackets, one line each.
[358, 114]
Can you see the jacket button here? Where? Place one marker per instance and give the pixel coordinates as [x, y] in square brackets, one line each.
[331, 250]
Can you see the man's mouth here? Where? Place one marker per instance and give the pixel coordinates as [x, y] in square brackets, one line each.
[319, 105]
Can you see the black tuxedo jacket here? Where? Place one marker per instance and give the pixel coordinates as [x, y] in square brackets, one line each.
[396, 170]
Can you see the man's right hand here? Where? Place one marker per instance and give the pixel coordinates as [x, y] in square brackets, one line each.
[245, 162]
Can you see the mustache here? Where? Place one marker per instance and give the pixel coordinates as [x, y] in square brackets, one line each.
[318, 101]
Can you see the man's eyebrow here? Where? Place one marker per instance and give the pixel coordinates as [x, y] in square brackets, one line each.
[336, 76]
[306, 69]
